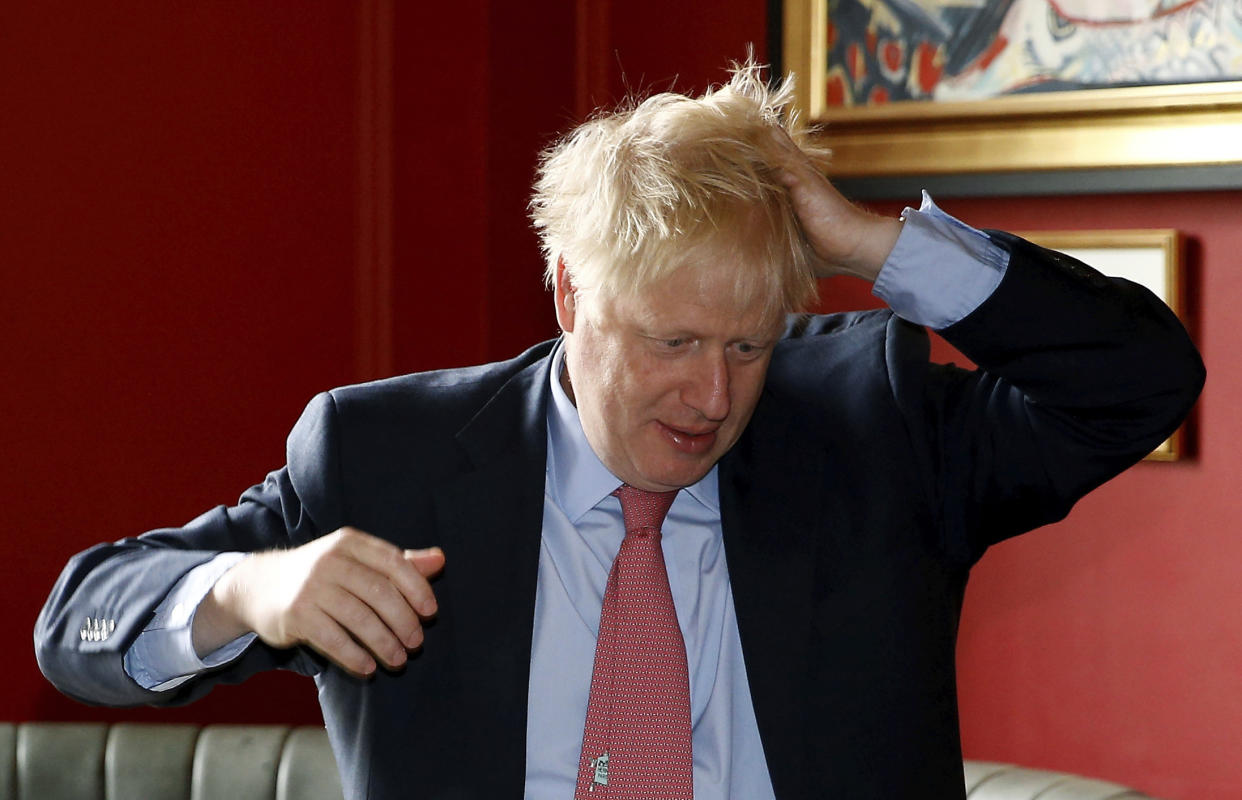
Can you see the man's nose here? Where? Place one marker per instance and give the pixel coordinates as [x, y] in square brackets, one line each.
[706, 387]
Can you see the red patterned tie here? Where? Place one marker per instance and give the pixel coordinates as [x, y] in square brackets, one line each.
[636, 745]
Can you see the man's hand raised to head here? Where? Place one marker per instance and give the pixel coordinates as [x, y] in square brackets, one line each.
[355, 598]
[847, 239]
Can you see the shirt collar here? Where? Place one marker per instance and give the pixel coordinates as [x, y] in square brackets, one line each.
[577, 478]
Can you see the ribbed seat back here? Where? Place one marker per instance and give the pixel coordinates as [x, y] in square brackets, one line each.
[157, 761]
[152, 762]
[61, 759]
[307, 766]
[990, 781]
[236, 761]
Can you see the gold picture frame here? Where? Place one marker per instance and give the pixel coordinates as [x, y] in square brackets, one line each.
[1150, 257]
[1168, 126]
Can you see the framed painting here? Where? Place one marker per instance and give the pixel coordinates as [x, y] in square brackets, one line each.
[1151, 258]
[935, 87]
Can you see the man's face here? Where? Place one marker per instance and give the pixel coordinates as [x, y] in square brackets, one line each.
[665, 380]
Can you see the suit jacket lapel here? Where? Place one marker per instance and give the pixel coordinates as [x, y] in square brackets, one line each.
[494, 512]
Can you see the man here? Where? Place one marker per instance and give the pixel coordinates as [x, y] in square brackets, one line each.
[833, 489]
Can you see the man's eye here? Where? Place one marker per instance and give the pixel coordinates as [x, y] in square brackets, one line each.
[673, 344]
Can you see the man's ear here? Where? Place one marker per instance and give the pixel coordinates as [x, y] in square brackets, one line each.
[566, 297]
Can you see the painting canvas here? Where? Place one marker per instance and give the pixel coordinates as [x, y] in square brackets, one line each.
[881, 51]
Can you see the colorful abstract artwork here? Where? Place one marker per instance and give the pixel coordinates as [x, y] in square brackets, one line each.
[880, 51]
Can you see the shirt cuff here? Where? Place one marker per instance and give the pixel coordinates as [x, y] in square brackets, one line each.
[941, 268]
[163, 657]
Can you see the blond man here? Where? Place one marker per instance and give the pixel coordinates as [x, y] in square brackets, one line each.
[833, 488]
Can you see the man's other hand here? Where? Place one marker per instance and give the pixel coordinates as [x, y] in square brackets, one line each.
[847, 239]
[355, 598]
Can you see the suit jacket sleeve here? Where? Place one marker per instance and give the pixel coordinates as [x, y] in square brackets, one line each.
[121, 583]
[1080, 377]
[870, 480]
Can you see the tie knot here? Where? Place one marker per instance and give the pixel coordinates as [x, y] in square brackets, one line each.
[643, 509]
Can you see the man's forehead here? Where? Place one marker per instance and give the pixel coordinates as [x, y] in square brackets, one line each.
[699, 293]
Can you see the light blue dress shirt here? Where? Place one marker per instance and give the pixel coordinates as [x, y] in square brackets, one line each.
[582, 533]
[939, 271]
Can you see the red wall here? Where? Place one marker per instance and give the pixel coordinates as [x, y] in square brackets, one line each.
[210, 215]
[178, 228]
[1108, 644]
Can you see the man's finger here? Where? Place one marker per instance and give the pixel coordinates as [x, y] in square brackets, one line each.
[428, 561]
[364, 624]
[381, 599]
[325, 635]
[388, 560]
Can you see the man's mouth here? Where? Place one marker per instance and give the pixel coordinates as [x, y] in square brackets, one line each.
[689, 442]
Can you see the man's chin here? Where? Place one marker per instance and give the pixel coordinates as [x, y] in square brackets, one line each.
[678, 477]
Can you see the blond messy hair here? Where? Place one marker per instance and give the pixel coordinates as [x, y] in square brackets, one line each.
[627, 196]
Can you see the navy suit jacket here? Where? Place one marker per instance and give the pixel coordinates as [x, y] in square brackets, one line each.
[866, 485]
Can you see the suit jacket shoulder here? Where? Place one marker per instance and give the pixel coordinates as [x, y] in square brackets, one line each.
[360, 449]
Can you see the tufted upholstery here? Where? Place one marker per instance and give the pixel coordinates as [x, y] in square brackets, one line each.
[131, 761]
[989, 781]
